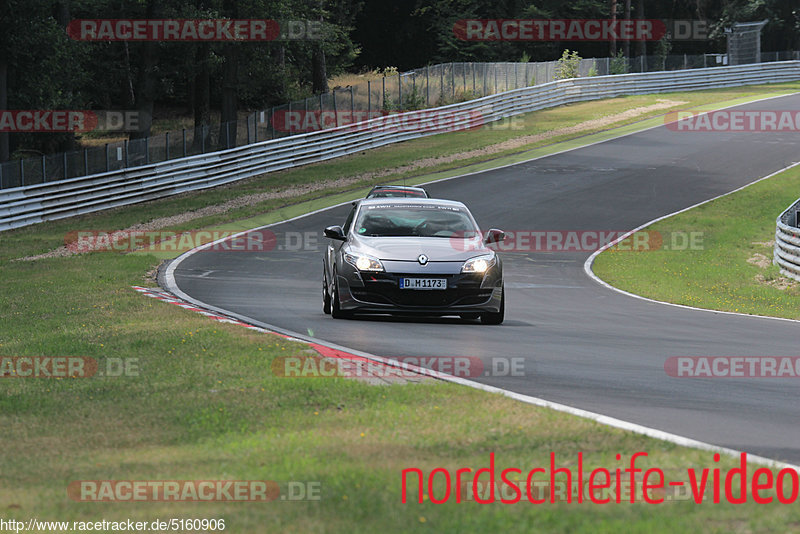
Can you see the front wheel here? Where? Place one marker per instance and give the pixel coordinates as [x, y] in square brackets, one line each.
[336, 309]
[326, 295]
[496, 318]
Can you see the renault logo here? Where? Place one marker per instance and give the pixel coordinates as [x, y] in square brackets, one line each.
[423, 259]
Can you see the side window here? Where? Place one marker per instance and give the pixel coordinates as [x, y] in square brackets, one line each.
[349, 220]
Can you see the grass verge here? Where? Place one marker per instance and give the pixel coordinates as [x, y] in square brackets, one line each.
[730, 268]
[204, 404]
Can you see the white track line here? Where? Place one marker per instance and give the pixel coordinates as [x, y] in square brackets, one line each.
[587, 266]
[169, 280]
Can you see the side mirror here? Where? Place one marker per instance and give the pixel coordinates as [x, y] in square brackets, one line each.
[494, 236]
[335, 232]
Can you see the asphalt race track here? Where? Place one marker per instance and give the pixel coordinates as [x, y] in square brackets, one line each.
[583, 345]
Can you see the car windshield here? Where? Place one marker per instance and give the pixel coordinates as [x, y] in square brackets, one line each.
[415, 221]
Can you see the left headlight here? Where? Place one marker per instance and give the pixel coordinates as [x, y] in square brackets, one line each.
[478, 264]
[364, 263]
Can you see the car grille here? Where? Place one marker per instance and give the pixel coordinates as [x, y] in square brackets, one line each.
[462, 290]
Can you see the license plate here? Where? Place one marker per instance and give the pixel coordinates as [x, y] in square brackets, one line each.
[423, 283]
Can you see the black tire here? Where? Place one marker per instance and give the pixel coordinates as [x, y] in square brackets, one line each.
[326, 296]
[496, 318]
[336, 310]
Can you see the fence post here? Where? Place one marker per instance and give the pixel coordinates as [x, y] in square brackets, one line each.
[166, 146]
[383, 92]
[472, 68]
[369, 98]
[22, 171]
[65, 165]
[352, 105]
[183, 133]
[106, 157]
[414, 84]
[126, 155]
[441, 81]
[86, 162]
[44, 171]
[1, 174]
[147, 150]
[427, 86]
[202, 139]
[453, 79]
[335, 108]
[399, 92]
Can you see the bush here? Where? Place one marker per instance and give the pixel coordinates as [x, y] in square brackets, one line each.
[413, 100]
[619, 64]
[568, 65]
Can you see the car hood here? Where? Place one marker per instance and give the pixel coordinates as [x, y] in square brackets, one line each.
[410, 248]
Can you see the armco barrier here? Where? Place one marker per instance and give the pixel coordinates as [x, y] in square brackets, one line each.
[787, 242]
[28, 205]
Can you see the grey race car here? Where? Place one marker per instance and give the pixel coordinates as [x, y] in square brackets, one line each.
[412, 257]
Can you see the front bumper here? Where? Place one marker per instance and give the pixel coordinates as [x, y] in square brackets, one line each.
[380, 293]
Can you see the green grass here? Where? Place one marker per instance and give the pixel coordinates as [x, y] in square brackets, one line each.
[205, 404]
[717, 274]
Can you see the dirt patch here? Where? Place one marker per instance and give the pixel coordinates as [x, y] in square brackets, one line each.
[782, 283]
[759, 260]
[296, 191]
[763, 262]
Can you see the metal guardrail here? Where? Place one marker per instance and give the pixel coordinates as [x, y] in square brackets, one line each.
[423, 88]
[787, 242]
[23, 206]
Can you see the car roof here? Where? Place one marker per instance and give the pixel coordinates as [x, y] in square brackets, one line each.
[412, 200]
[418, 191]
[404, 187]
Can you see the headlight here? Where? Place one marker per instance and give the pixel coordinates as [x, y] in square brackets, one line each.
[363, 263]
[478, 264]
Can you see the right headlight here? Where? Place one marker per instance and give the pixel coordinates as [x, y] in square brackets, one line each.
[478, 264]
[363, 262]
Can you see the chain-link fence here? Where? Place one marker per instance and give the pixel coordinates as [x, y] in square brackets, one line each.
[428, 87]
